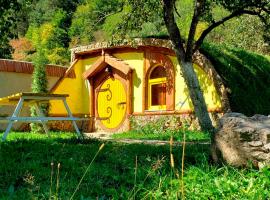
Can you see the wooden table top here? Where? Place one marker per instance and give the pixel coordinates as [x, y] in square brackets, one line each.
[14, 98]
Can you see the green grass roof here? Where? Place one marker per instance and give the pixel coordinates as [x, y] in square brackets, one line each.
[245, 74]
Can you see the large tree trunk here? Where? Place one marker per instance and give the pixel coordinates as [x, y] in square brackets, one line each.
[184, 57]
[186, 67]
[196, 96]
[199, 104]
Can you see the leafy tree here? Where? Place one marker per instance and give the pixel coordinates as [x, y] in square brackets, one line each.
[52, 38]
[89, 18]
[13, 23]
[7, 18]
[49, 21]
[23, 49]
[39, 85]
[246, 32]
[202, 12]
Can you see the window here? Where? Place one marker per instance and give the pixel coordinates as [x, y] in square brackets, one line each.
[157, 89]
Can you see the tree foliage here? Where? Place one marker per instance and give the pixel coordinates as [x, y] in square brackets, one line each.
[89, 18]
[234, 34]
[23, 49]
[8, 10]
[39, 85]
[80, 22]
[52, 31]
[40, 82]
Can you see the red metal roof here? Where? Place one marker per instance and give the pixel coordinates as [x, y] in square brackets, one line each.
[28, 68]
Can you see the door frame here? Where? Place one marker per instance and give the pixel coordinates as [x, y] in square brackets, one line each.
[99, 82]
[95, 84]
[98, 71]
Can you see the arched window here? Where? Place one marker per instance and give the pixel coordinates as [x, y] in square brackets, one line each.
[157, 89]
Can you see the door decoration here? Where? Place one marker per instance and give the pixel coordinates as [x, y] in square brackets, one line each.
[111, 103]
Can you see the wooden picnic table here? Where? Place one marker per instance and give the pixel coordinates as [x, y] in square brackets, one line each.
[35, 99]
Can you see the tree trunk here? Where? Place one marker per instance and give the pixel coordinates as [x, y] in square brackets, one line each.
[197, 98]
[186, 67]
[188, 72]
[199, 104]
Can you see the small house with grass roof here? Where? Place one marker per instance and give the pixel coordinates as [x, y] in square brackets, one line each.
[139, 79]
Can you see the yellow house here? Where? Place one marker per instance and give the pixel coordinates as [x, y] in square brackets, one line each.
[139, 78]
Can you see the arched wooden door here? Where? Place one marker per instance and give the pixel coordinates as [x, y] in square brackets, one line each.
[111, 103]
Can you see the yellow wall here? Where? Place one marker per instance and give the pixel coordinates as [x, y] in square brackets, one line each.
[135, 60]
[78, 88]
[181, 93]
[87, 63]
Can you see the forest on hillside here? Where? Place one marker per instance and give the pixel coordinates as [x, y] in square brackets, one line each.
[58, 25]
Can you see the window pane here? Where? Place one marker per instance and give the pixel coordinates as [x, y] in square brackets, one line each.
[158, 93]
[158, 72]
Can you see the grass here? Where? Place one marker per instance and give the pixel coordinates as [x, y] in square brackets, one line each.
[158, 129]
[245, 74]
[176, 134]
[13, 136]
[29, 170]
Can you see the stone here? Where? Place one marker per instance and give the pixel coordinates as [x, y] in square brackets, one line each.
[255, 143]
[267, 147]
[241, 140]
[265, 135]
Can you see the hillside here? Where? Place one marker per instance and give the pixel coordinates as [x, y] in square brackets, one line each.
[245, 74]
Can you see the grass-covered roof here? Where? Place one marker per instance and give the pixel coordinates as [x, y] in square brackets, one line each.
[245, 74]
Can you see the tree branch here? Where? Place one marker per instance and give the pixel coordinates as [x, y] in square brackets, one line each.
[176, 11]
[218, 23]
[174, 32]
[193, 26]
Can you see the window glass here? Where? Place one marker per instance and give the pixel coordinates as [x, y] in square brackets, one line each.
[158, 92]
[158, 72]
[157, 89]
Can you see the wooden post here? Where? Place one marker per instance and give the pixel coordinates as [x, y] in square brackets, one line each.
[144, 84]
[92, 105]
[129, 97]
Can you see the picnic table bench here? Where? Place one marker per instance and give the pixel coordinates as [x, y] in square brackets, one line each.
[35, 99]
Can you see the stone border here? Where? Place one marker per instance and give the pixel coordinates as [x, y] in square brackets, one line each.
[119, 44]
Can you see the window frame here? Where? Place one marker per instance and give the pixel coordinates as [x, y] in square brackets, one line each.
[151, 82]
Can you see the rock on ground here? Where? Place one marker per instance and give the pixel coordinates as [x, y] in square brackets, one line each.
[241, 140]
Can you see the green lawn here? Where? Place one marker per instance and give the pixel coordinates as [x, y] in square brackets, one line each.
[177, 135]
[26, 170]
[13, 136]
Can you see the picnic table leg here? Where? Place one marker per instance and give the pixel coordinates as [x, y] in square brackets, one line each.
[41, 114]
[70, 115]
[15, 114]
